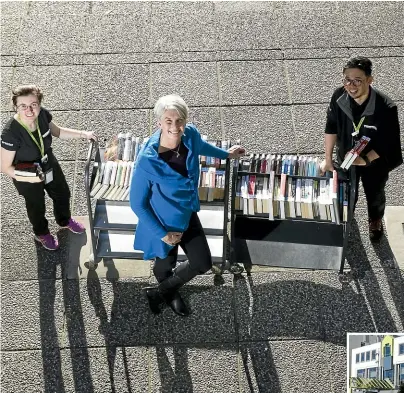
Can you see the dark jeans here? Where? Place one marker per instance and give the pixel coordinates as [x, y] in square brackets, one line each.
[374, 179]
[196, 248]
[34, 196]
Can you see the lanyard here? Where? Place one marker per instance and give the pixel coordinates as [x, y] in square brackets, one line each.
[357, 127]
[39, 145]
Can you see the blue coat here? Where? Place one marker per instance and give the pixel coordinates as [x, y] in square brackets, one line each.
[163, 199]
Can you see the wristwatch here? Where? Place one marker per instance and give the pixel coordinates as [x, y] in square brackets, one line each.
[367, 161]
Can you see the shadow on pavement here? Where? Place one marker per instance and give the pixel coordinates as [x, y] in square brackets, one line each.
[241, 317]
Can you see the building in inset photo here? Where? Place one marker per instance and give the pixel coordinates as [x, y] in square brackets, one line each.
[375, 363]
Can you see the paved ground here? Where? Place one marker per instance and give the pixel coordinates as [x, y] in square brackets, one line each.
[260, 71]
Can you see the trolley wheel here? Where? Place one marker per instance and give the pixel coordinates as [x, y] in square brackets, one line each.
[90, 264]
[236, 269]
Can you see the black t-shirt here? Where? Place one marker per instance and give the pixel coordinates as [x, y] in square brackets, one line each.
[179, 164]
[357, 109]
[15, 137]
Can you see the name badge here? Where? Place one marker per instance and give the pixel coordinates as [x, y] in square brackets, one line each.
[48, 176]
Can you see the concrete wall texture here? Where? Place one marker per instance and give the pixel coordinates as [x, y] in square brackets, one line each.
[259, 71]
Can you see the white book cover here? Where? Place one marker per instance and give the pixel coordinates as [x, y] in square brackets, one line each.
[298, 197]
[271, 196]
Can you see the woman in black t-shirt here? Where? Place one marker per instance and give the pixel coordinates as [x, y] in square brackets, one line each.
[26, 139]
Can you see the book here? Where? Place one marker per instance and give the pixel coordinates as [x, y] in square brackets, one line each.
[355, 152]
[27, 169]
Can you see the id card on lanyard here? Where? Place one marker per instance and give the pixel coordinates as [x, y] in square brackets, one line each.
[357, 127]
[48, 174]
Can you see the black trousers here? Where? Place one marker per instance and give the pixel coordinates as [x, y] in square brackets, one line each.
[374, 179]
[196, 248]
[34, 195]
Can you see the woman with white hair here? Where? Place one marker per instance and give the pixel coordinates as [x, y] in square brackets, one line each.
[164, 196]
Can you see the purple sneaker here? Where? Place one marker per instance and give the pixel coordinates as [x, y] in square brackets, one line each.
[75, 226]
[48, 241]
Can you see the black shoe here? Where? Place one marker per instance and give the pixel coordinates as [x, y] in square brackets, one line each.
[177, 304]
[154, 299]
[375, 230]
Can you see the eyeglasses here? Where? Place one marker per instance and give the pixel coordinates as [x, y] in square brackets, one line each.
[354, 82]
[23, 107]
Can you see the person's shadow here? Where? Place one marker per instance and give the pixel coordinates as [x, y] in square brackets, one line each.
[267, 309]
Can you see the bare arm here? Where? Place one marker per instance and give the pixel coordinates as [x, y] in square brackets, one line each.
[7, 158]
[69, 133]
[330, 141]
[7, 167]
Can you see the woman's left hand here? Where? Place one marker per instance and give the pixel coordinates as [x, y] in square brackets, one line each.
[236, 151]
[89, 135]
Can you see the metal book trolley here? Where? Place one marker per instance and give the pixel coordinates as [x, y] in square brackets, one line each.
[113, 223]
[289, 242]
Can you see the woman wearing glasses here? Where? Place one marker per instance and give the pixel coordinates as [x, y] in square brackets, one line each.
[356, 110]
[26, 139]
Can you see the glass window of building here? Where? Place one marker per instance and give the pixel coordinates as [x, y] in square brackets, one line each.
[401, 349]
[372, 372]
[361, 373]
[362, 356]
[357, 358]
[374, 354]
[388, 374]
[401, 373]
[387, 350]
[367, 356]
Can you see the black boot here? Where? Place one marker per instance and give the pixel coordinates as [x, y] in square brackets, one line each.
[177, 304]
[168, 288]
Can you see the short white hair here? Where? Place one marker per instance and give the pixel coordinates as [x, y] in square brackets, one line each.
[171, 102]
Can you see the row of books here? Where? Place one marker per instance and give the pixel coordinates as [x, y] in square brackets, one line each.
[112, 180]
[212, 161]
[212, 174]
[287, 197]
[287, 164]
[128, 146]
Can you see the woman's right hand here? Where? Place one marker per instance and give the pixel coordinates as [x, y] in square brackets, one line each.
[172, 238]
[28, 179]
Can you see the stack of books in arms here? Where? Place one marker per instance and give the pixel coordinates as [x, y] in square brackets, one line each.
[28, 169]
[282, 187]
[212, 175]
[355, 152]
[113, 176]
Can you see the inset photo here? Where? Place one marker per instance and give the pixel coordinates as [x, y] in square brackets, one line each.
[375, 363]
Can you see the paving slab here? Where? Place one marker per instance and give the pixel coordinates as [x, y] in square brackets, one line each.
[212, 307]
[109, 369]
[59, 84]
[32, 371]
[285, 366]
[117, 33]
[253, 83]
[261, 128]
[196, 32]
[244, 26]
[123, 92]
[7, 77]
[182, 368]
[39, 30]
[9, 33]
[166, 78]
[394, 221]
[31, 315]
[277, 305]
[103, 312]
